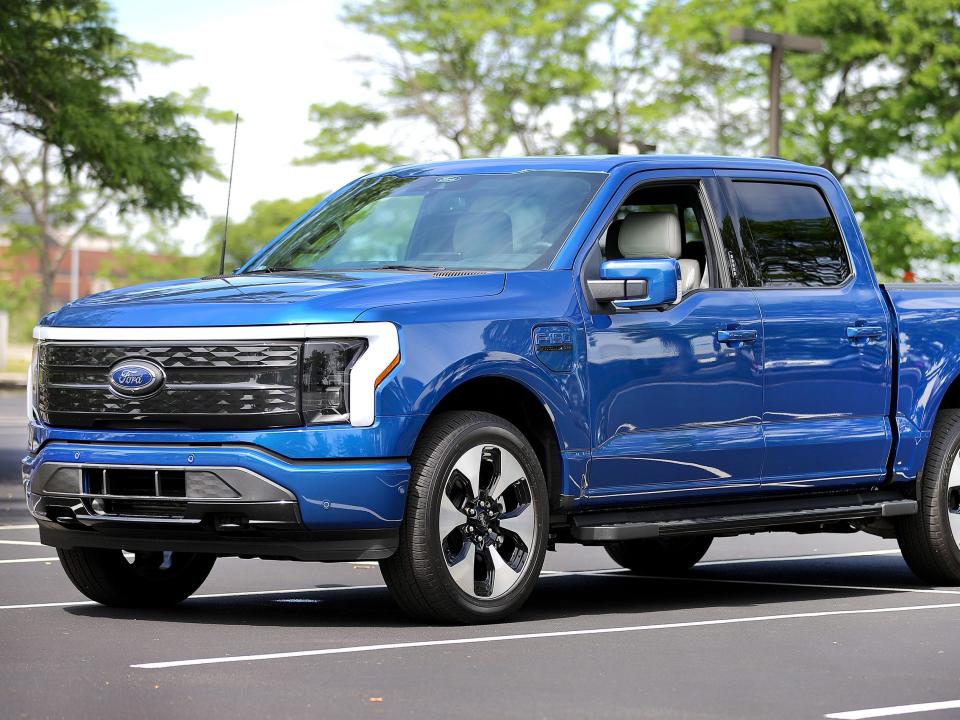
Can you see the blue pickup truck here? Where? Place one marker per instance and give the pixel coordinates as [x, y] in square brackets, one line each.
[452, 367]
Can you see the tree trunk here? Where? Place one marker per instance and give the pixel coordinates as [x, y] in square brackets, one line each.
[48, 274]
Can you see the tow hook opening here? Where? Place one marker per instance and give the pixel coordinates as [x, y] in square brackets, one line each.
[230, 523]
[62, 514]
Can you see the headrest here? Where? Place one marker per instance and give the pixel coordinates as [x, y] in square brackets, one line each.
[654, 234]
[610, 241]
[477, 234]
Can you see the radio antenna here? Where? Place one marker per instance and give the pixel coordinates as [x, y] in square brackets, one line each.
[226, 217]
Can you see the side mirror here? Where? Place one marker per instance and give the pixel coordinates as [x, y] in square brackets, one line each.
[646, 282]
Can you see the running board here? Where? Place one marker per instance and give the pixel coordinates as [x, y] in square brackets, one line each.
[604, 527]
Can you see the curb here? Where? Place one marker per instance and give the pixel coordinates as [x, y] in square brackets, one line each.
[9, 381]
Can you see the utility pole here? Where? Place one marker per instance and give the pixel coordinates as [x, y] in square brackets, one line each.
[74, 271]
[778, 44]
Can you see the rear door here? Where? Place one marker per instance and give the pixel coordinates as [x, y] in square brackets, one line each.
[826, 368]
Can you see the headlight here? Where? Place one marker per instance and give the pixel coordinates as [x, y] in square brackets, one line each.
[325, 378]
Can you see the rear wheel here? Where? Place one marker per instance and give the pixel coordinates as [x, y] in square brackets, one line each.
[474, 533]
[930, 540]
[145, 579]
[659, 556]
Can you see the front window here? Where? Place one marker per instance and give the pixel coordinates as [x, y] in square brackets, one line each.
[490, 222]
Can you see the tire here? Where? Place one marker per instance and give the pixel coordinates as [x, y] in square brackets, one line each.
[658, 556]
[443, 572]
[150, 579]
[929, 540]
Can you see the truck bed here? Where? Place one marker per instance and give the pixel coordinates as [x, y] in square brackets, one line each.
[927, 348]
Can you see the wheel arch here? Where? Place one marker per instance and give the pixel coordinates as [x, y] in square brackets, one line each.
[949, 398]
[520, 405]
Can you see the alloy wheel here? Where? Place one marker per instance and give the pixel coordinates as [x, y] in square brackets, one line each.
[487, 521]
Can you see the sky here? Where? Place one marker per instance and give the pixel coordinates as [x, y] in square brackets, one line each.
[269, 61]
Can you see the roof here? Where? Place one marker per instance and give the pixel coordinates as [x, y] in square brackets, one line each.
[594, 163]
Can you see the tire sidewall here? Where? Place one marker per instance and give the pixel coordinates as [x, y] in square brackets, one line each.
[939, 488]
[469, 436]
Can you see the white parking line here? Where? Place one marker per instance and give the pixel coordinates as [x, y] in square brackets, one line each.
[792, 558]
[30, 560]
[33, 526]
[774, 583]
[21, 542]
[532, 636]
[896, 710]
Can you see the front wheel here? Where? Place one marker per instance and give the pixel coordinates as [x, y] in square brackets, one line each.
[474, 533]
[930, 540]
[143, 579]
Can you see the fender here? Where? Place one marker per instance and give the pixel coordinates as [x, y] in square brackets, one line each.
[568, 413]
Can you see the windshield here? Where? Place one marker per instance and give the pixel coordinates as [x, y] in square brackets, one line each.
[496, 222]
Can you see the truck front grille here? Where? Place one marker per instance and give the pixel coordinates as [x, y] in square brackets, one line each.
[214, 386]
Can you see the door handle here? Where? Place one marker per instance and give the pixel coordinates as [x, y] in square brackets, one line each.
[864, 332]
[732, 336]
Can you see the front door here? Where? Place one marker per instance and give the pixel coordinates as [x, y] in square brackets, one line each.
[826, 336]
[675, 397]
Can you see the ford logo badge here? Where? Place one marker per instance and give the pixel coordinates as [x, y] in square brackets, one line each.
[136, 378]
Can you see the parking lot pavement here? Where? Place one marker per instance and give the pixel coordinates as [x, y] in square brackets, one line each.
[769, 626]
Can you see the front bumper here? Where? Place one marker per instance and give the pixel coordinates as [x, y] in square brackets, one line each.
[226, 500]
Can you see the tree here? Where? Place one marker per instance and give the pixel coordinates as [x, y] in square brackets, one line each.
[73, 144]
[341, 124]
[265, 221]
[481, 74]
[612, 76]
[713, 90]
[899, 240]
[876, 92]
[622, 112]
[153, 257]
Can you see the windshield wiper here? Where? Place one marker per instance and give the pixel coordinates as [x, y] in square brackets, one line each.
[268, 269]
[411, 268]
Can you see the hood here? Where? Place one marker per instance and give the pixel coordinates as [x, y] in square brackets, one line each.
[273, 299]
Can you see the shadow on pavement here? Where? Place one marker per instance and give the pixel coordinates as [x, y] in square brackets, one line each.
[558, 597]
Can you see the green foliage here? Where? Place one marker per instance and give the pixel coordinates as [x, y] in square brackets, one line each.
[340, 124]
[480, 73]
[881, 89]
[152, 258]
[713, 91]
[63, 71]
[20, 303]
[265, 221]
[616, 75]
[925, 44]
[73, 144]
[893, 224]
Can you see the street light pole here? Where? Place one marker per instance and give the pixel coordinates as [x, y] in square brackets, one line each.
[778, 44]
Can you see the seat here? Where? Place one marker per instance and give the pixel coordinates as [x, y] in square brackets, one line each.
[481, 234]
[657, 234]
[610, 243]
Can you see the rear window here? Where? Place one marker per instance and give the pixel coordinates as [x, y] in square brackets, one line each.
[793, 234]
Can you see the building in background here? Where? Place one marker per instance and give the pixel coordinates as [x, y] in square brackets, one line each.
[84, 269]
[76, 276]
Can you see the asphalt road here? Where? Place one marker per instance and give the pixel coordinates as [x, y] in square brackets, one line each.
[769, 626]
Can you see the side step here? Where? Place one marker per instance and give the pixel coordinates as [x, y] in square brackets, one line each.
[604, 527]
